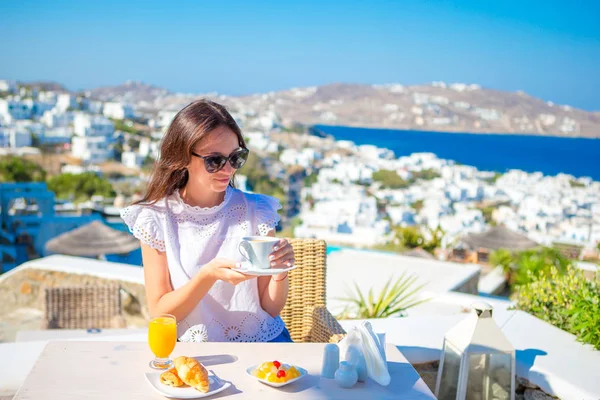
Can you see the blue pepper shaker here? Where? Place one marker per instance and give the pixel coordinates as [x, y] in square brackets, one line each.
[331, 360]
[346, 375]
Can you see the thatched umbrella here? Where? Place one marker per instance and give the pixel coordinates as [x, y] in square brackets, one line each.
[420, 253]
[94, 239]
[498, 237]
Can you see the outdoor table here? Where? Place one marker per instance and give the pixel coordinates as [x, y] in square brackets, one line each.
[115, 370]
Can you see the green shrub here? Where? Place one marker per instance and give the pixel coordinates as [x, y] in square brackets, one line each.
[389, 179]
[523, 267]
[80, 187]
[567, 301]
[18, 169]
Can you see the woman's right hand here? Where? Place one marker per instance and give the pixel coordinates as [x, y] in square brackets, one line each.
[221, 269]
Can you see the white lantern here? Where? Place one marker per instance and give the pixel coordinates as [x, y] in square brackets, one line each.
[478, 362]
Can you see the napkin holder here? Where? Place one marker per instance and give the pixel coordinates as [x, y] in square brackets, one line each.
[363, 338]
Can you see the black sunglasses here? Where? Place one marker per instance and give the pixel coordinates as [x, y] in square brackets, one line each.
[216, 162]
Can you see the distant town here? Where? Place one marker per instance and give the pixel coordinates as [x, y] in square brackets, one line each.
[361, 196]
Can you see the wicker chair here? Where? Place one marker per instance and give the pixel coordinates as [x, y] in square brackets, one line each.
[305, 314]
[84, 307]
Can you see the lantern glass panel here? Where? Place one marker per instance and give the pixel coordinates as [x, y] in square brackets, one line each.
[489, 377]
[450, 373]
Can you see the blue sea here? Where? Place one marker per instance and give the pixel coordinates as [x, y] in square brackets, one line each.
[489, 152]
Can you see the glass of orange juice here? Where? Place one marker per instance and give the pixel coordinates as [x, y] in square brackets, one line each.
[162, 336]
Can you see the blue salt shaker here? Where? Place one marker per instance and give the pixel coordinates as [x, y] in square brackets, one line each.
[331, 360]
[346, 375]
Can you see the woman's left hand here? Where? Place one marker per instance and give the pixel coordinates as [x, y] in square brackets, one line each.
[282, 255]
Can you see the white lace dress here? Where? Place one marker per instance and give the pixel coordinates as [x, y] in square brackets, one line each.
[193, 236]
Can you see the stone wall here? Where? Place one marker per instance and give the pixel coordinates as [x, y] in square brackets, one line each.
[524, 390]
[24, 289]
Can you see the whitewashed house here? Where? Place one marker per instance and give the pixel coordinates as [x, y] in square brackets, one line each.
[93, 138]
[55, 119]
[165, 117]
[65, 101]
[118, 110]
[15, 109]
[131, 159]
[91, 106]
[57, 136]
[8, 86]
[14, 137]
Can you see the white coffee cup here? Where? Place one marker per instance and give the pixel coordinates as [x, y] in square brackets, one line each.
[257, 250]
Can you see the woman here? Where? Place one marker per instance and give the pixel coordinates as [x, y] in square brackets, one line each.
[190, 223]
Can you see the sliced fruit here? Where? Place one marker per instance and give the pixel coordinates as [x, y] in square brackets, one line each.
[272, 377]
[293, 372]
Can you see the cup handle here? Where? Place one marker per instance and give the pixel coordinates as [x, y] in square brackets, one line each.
[247, 249]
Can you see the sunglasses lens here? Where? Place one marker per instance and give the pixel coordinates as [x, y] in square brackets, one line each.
[238, 160]
[214, 163]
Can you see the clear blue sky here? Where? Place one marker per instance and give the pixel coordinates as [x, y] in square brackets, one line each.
[550, 49]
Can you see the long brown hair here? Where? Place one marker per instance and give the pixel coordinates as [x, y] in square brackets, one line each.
[189, 127]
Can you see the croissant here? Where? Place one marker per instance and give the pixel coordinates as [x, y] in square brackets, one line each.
[170, 378]
[192, 373]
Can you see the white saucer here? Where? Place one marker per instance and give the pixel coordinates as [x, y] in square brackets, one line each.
[186, 392]
[247, 269]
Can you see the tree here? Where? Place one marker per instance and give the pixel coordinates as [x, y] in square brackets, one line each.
[259, 181]
[17, 169]
[437, 236]
[487, 212]
[410, 237]
[123, 126]
[80, 187]
[311, 179]
[389, 179]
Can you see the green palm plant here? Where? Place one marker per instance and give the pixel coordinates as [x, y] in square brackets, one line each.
[392, 301]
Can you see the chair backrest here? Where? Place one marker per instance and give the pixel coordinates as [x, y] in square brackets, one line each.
[307, 285]
[83, 307]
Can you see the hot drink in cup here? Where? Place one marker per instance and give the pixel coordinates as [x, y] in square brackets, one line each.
[257, 250]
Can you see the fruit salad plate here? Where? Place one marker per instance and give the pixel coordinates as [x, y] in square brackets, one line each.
[276, 374]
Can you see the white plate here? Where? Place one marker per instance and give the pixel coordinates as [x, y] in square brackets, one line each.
[187, 392]
[302, 371]
[262, 272]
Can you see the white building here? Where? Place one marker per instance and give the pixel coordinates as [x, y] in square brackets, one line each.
[57, 136]
[92, 149]
[118, 110]
[65, 101]
[14, 138]
[8, 86]
[132, 159]
[342, 214]
[91, 125]
[15, 109]
[55, 118]
[165, 117]
[304, 158]
[91, 106]
[93, 138]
